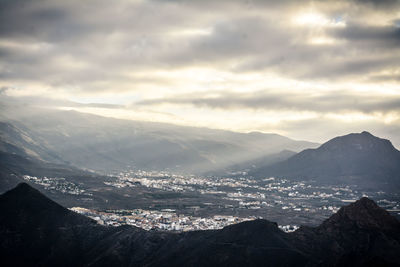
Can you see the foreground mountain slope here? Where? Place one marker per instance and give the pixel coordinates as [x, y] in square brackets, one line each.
[36, 231]
[31, 226]
[360, 234]
[358, 158]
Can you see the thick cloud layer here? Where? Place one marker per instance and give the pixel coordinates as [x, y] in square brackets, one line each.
[339, 101]
[336, 63]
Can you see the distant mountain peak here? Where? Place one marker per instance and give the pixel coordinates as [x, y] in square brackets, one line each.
[359, 142]
[354, 137]
[364, 213]
[366, 133]
[358, 158]
[363, 134]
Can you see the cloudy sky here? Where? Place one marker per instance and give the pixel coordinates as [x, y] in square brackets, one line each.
[305, 69]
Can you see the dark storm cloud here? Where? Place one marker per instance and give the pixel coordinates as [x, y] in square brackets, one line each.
[351, 67]
[63, 43]
[232, 39]
[389, 34]
[387, 4]
[37, 20]
[108, 39]
[328, 102]
[387, 77]
[135, 36]
[73, 49]
[259, 43]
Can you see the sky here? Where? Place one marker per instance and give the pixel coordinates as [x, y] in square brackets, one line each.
[308, 70]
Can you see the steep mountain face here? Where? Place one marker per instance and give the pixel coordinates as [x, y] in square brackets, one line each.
[28, 204]
[360, 234]
[255, 243]
[365, 214]
[19, 141]
[36, 231]
[355, 158]
[16, 162]
[105, 144]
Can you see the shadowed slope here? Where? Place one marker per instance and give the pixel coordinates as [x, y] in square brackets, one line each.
[34, 230]
[360, 158]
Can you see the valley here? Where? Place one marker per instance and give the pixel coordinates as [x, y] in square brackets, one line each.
[200, 202]
[200, 133]
[184, 178]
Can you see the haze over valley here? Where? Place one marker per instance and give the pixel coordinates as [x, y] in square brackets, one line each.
[200, 133]
[191, 174]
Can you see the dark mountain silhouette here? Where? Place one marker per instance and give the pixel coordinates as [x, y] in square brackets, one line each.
[35, 231]
[358, 158]
[28, 204]
[360, 234]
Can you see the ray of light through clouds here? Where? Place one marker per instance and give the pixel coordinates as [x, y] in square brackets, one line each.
[306, 69]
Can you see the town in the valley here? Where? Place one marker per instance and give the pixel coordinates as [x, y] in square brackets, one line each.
[218, 201]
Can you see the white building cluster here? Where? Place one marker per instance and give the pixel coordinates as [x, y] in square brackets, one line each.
[159, 220]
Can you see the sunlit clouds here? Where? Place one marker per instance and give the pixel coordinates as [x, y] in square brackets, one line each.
[317, 20]
[306, 69]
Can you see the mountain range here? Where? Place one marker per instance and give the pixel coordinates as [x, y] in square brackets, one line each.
[105, 144]
[65, 142]
[36, 231]
[357, 158]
